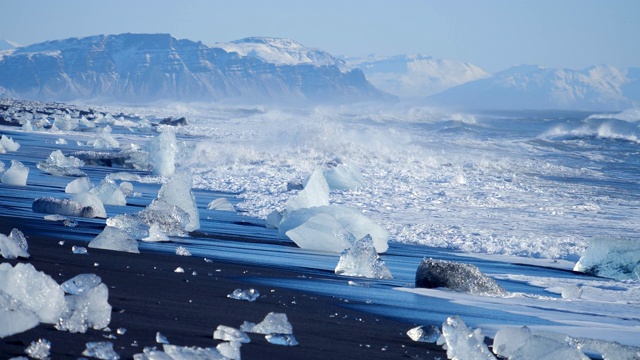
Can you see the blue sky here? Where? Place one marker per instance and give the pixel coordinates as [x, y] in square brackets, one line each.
[493, 34]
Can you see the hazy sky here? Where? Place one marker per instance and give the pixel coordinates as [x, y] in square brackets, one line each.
[493, 34]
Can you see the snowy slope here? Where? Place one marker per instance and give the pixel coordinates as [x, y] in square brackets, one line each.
[149, 67]
[416, 76]
[533, 87]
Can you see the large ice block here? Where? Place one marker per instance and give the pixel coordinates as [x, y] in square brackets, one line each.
[177, 191]
[59, 165]
[456, 276]
[614, 258]
[16, 175]
[321, 232]
[462, 342]
[112, 238]
[315, 193]
[14, 245]
[162, 153]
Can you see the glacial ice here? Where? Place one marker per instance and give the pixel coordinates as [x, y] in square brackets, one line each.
[456, 276]
[248, 294]
[109, 193]
[462, 343]
[112, 238]
[101, 350]
[105, 140]
[151, 353]
[221, 204]
[227, 333]
[614, 258]
[315, 193]
[59, 165]
[154, 223]
[282, 339]
[177, 191]
[79, 185]
[162, 153]
[88, 309]
[344, 177]
[90, 201]
[424, 333]
[230, 350]
[16, 175]
[321, 232]
[273, 323]
[362, 260]
[273, 219]
[80, 284]
[65, 123]
[192, 353]
[9, 144]
[39, 349]
[49, 205]
[15, 317]
[545, 347]
[14, 245]
[182, 251]
[161, 339]
[509, 339]
[155, 234]
[37, 291]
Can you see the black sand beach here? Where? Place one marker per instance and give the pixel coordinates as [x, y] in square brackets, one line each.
[147, 297]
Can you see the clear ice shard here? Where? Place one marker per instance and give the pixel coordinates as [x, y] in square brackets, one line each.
[14, 245]
[344, 177]
[101, 350]
[8, 143]
[424, 333]
[59, 165]
[282, 339]
[456, 276]
[227, 333]
[161, 339]
[16, 175]
[177, 191]
[248, 294]
[112, 238]
[89, 309]
[315, 193]
[462, 343]
[221, 204]
[362, 260]
[162, 153]
[39, 349]
[614, 258]
[81, 284]
[273, 323]
[321, 232]
[79, 185]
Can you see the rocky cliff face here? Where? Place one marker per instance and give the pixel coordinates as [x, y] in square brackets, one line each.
[150, 67]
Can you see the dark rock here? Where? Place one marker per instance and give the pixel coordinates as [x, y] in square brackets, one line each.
[456, 276]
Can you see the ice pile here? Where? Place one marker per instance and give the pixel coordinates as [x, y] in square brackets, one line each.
[275, 327]
[613, 258]
[462, 343]
[8, 144]
[59, 165]
[16, 175]
[456, 276]
[221, 204]
[112, 238]
[424, 333]
[362, 260]
[101, 350]
[248, 294]
[162, 153]
[344, 176]
[83, 205]
[39, 349]
[313, 224]
[14, 246]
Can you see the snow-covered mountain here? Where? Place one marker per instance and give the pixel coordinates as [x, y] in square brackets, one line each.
[7, 45]
[416, 76]
[149, 67]
[597, 88]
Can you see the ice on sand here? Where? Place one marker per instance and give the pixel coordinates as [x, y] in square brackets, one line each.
[16, 175]
[105, 140]
[177, 191]
[315, 193]
[39, 349]
[192, 353]
[273, 323]
[8, 143]
[156, 234]
[154, 223]
[79, 185]
[230, 350]
[109, 193]
[613, 258]
[14, 245]
[273, 219]
[344, 177]
[282, 339]
[462, 343]
[15, 317]
[321, 232]
[161, 339]
[88, 309]
[59, 165]
[49, 205]
[248, 294]
[221, 204]
[424, 333]
[162, 153]
[89, 200]
[112, 238]
[362, 260]
[227, 333]
[456, 276]
[80, 284]
[101, 350]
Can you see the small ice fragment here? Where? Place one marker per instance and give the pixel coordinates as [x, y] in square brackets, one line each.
[39, 349]
[184, 352]
[81, 284]
[101, 350]
[161, 339]
[59, 165]
[121, 331]
[105, 140]
[55, 217]
[221, 204]
[248, 327]
[281, 339]
[462, 343]
[49, 205]
[151, 353]
[16, 175]
[112, 238]
[79, 185]
[249, 294]
[61, 141]
[362, 260]
[14, 246]
[428, 333]
[182, 251]
[109, 193]
[79, 250]
[227, 333]
[61, 242]
[229, 350]
[70, 223]
[92, 202]
[8, 143]
[89, 309]
[572, 292]
[273, 323]
[178, 270]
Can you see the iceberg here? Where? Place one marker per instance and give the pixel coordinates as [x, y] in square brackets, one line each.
[362, 260]
[462, 343]
[315, 193]
[344, 177]
[59, 165]
[321, 232]
[79, 185]
[16, 175]
[182, 251]
[15, 317]
[112, 238]
[177, 191]
[221, 204]
[227, 333]
[14, 246]
[8, 143]
[456, 276]
[101, 350]
[39, 349]
[612, 258]
[162, 153]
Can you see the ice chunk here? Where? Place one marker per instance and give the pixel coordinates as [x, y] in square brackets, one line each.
[230, 350]
[363, 261]
[79, 250]
[572, 292]
[151, 353]
[36, 290]
[15, 317]
[183, 251]
[227, 333]
[156, 234]
[9, 144]
[351, 220]
[613, 258]
[91, 201]
[61, 141]
[88, 309]
[101, 350]
[171, 219]
[609, 350]
[65, 123]
[80, 284]
[321, 232]
[1, 165]
[126, 188]
[221, 204]
[49, 205]
[248, 294]
[273, 323]
[109, 193]
[192, 353]
[79, 185]
[177, 191]
[59, 165]
[112, 238]
[105, 140]
[456, 276]
[508, 340]
[315, 193]
[462, 343]
[424, 333]
[14, 246]
[16, 175]
[344, 177]
[273, 219]
[162, 153]
[39, 349]
[161, 339]
[124, 176]
[543, 347]
[282, 339]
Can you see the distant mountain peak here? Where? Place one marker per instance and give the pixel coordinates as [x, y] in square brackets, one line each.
[7, 45]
